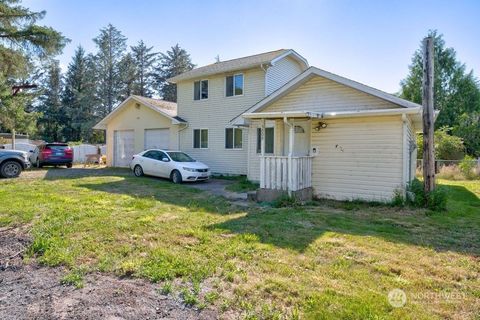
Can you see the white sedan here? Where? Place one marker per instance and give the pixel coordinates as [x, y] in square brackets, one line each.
[175, 165]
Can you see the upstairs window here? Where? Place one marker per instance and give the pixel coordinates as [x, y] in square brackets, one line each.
[234, 85]
[200, 138]
[200, 90]
[269, 140]
[233, 138]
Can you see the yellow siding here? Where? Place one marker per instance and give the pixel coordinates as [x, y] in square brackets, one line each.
[215, 114]
[280, 73]
[359, 158]
[131, 118]
[323, 95]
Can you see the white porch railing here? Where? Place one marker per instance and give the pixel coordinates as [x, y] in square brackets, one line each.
[285, 173]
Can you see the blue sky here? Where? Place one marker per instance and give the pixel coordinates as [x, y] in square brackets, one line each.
[368, 41]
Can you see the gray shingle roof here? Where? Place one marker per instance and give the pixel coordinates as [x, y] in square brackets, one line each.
[168, 107]
[229, 65]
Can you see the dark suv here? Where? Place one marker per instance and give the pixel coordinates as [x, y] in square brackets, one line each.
[52, 154]
[12, 162]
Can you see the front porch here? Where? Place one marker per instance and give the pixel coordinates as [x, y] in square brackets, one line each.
[286, 158]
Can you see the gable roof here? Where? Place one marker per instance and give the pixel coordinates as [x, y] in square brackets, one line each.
[312, 72]
[239, 64]
[165, 108]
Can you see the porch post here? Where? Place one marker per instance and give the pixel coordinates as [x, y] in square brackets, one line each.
[262, 154]
[290, 154]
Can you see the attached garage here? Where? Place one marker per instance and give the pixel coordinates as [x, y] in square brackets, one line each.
[157, 138]
[123, 147]
[138, 124]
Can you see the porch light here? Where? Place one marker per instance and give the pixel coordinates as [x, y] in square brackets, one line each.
[321, 125]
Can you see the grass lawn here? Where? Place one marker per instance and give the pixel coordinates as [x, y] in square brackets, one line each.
[330, 260]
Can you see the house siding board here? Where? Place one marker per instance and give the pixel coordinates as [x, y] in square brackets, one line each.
[131, 118]
[359, 158]
[280, 73]
[324, 95]
[215, 114]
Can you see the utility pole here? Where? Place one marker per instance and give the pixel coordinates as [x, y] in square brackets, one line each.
[428, 116]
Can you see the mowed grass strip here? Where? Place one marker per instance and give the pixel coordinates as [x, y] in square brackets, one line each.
[321, 261]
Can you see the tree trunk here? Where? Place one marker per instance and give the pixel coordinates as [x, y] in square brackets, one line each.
[428, 116]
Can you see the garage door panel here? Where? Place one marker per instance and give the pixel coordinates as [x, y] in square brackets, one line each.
[157, 139]
[124, 147]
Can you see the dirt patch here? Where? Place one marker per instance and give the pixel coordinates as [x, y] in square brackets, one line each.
[29, 291]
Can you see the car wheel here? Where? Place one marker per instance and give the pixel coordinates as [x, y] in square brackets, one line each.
[38, 164]
[138, 171]
[176, 176]
[69, 165]
[10, 169]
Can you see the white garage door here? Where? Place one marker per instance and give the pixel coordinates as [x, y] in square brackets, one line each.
[157, 138]
[123, 148]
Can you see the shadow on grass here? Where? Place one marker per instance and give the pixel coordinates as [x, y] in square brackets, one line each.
[457, 229]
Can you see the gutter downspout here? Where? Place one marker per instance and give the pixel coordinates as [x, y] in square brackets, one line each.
[178, 135]
[290, 153]
[404, 154]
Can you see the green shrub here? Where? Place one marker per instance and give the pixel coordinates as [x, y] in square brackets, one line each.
[285, 201]
[435, 200]
[467, 166]
[447, 146]
[416, 194]
[398, 199]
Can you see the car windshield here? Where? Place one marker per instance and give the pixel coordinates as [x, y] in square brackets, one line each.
[180, 157]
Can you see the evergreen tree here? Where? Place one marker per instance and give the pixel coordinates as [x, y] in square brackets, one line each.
[52, 119]
[174, 62]
[456, 93]
[144, 60]
[22, 41]
[111, 46]
[79, 98]
[128, 75]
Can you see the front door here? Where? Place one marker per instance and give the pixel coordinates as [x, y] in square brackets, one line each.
[301, 143]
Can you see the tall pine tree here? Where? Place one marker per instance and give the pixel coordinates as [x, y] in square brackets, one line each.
[172, 63]
[22, 41]
[111, 45]
[79, 98]
[456, 93]
[128, 75]
[52, 119]
[144, 60]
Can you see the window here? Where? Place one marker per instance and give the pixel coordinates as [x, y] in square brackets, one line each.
[234, 85]
[233, 138]
[269, 140]
[200, 90]
[200, 138]
[155, 155]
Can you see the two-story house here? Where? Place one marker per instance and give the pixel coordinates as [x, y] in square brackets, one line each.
[271, 117]
[210, 97]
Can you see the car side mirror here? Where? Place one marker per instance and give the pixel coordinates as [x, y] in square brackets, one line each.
[165, 160]
[31, 151]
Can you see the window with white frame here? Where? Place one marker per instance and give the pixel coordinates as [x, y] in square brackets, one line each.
[200, 90]
[233, 138]
[269, 140]
[200, 138]
[234, 85]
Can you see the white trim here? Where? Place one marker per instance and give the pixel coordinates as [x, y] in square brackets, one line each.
[312, 72]
[102, 124]
[233, 136]
[233, 82]
[200, 141]
[331, 115]
[200, 88]
[293, 53]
